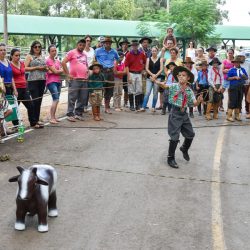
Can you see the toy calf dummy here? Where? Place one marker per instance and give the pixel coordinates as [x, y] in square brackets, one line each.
[36, 194]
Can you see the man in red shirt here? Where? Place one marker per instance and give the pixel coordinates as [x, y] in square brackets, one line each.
[135, 63]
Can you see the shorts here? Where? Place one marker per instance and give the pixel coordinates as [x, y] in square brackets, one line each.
[55, 90]
[4, 106]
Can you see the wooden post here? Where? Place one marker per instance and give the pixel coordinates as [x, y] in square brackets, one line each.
[5, 22]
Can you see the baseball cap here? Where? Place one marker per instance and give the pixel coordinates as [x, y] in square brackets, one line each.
[100, 39]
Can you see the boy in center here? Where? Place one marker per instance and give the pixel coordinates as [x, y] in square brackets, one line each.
[180, 97]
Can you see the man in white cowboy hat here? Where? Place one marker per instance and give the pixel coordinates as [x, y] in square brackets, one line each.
[106, 56]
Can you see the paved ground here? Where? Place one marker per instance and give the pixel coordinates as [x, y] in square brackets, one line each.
[116, 192]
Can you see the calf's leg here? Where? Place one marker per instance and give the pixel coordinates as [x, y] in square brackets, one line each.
[52, 205]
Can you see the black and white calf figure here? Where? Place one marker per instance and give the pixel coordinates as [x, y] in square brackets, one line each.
[36, 194]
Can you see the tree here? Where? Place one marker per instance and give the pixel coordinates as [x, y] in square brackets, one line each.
[195, 19]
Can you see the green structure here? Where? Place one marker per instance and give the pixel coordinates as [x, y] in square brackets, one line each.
[61, 26]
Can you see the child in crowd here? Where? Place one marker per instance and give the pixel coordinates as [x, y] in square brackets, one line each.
[180, 97]
[95, 85]
[169, 81]
[202, 85]
[120, 71]
[215, 79]
[5, 109]
[169, 36]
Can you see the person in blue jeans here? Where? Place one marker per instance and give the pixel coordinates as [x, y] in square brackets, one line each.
[53, 81]
[154, 67]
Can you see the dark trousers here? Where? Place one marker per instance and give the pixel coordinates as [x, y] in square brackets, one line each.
[36, 89]
[109, 90]
[23, 95]
[246, 88]
[179, 122]
[235, 95]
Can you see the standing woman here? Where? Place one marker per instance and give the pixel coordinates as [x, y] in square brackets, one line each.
[190, 51]
[7, 75]
[53, 80]
[36, 66]
[154, 67]
[18, 70]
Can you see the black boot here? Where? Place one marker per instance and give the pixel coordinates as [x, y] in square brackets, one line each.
[171, 154]
[137, 102]
[184, 148]
[204, 109]
[141, 100]
[131, 102]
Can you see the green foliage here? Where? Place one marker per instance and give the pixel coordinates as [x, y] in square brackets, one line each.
[195, 19]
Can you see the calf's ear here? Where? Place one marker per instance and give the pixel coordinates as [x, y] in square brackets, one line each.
[42, 182]
[20, 169]
[14, 178]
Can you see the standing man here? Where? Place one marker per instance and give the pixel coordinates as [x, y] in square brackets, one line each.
[78, 75]
[145, 41]
[125, 44]
[135, 64]
[106, 56]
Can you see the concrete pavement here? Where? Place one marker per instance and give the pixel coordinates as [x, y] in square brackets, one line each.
[116, 192]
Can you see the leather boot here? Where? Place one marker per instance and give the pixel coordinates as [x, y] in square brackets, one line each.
[204, 109]
[184, 148]
[171, 154]
[107, 107]
[208, 111]
[137, 102]
[94, 113]
[131, 102]
[216, 107]
[230, 115]
[237, 115]
[98, 113]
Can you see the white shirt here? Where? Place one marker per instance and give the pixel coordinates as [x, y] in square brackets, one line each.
[90, 56]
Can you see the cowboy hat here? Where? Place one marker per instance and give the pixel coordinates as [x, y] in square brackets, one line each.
[211, 48]
[203, 62]
[188, 60]
[179, 69]
[215, 60]
[145, 38]
[95, 63]
[107, 39]
[237, 59]
[134, 42]
[169, 64]
[124, 41]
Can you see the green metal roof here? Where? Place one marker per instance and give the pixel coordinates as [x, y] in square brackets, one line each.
[44, 25]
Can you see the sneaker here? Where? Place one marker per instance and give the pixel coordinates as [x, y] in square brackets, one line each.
[159, 108]
[71, 118]
[79, 117]
[163, 112]
[191, 115]
[200, 114]
[118, 109]
[141, 110]
[153, 110]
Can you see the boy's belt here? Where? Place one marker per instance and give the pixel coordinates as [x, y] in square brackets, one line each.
[176, 108]
[135, 72]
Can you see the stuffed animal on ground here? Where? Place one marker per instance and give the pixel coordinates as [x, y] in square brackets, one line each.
[36, 194]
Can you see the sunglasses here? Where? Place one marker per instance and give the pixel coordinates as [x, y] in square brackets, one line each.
[37, 47]
[88, 40]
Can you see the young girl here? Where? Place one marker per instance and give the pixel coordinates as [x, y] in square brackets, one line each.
[215, 79]
[170, 80]
[169, 36]
[119, 69]
[180, 97]
[95, 85]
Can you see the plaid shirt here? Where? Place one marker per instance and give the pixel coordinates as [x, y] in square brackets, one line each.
[174, 89]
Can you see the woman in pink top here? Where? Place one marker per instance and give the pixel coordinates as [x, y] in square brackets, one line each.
[226, 66]
[53, 81]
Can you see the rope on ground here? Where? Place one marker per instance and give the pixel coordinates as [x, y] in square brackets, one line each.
[131, 172]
